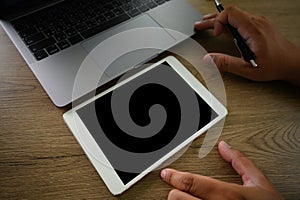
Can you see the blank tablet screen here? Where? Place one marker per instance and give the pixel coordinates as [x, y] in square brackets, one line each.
[144, 119]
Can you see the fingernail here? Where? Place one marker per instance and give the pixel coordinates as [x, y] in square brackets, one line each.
[208, 59]
[206, 16]
[197, 23]
[227, 146]
[163, 174]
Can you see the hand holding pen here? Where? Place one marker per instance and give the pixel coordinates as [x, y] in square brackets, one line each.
[277, 58]
[239, 41]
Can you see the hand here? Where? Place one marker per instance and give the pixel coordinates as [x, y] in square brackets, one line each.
[191, 187]
[277, 58]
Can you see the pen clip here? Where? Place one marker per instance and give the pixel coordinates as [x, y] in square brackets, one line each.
[237, 46]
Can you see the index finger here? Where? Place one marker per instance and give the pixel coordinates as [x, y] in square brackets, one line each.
[250, 174]
[197, 185]
[237, 18]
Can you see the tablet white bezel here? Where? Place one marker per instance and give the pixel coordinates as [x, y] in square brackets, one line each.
[91, 148]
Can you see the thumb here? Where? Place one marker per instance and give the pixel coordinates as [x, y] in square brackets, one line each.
[230, 64]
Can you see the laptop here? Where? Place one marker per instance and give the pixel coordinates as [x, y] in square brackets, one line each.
[56, 36]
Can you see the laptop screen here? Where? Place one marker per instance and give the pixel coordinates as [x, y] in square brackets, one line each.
[13, 8]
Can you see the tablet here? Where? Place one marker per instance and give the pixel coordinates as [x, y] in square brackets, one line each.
[133, 127]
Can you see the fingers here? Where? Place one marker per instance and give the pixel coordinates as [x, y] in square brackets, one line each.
[179, 195]
[239, 19]
[250, 174]
[243, 166]
[207, 24]
[197, 185]
[232, 65]
[210, 16]
[194, 187]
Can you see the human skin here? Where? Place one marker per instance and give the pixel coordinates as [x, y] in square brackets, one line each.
[189, 186]
[277, 58]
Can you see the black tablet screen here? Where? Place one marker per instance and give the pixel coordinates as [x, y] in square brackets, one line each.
[144, 119]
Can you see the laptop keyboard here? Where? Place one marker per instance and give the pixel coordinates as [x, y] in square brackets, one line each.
[58, 27]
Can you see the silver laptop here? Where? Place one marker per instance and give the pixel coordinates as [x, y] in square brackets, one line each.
[55, 37]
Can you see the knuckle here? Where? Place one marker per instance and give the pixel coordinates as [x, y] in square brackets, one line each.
[261, 17]
[231, 8]
[239, 159]
[257, 23]
[238, 155]
[222, 62]
[168, 177]
[188, 183]
[260, 23]
[253, 18]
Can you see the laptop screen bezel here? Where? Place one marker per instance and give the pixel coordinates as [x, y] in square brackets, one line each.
[11, 9]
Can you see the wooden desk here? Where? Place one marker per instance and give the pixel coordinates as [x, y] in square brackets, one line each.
[40, 158]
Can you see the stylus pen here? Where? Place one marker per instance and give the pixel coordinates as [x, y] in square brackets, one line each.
[239, 41]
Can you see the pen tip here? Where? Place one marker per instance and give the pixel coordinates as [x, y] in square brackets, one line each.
[217, 2]
[253, 63]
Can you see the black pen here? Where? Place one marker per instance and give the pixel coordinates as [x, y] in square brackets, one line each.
[239, 41]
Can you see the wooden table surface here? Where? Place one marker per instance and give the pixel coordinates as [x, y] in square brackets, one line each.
[40, 158]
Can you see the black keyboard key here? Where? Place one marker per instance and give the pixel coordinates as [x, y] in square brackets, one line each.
[91, 23]
[42, 44]
[109, 15]
[63, 45]
[151, 5]
[106, 25]
[20, 26]
[80, 27]
[134, 12]
[136, 3]
[127, 7]
[27, 32]
[52, 49]
[34, 38]
[100, 19]
[116, 3]
[160, 1]
[49, 32]
[75, 39]
[68, 23]
[42, 27]
[109, 6]
[71, 31]
[118, 11]
[60, 36]
[41, 54]
[143, 8]
[61, 27]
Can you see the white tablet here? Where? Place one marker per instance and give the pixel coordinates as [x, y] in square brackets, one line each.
[132, 128]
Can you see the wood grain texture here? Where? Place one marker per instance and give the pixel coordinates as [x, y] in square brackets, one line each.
[40, 158]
